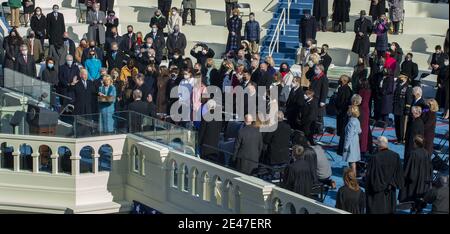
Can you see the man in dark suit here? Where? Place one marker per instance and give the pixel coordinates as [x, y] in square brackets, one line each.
[25, 63]
[55, 26]
[309, 116]
[319, 84]
[176, 40]
[265, 79]
[66, 73]
[308, 27]
[139, 109]
[363, 29]
[145, 89]
[295, 104]
[128, 41]
[115, 58]
[325, 58]
[248, 147]
[69, 44]
[35, 47]
[114, 38]
[278, 143]
[409, 68]
[209, 134]
[402, 106]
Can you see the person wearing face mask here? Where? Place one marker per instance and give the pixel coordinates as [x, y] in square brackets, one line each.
[58, 53]
[437, 60]
[55, 26]
[177, 59]
[66, 73]
[80, 50]
[28, 8]
[38, 24]
[159, 43]
[381, 29]
[92, 46]
[397, 53]
[203, 54]
[174, 19]
[252, 33]
[295, 104]
[111, 22]
[234, 31]
[159, 20]
[325, 58]
[69, 44]
[50, 73]
[403, 99]
[363, 30]
[305, 52]
[442, 84]
[385, 97]
[115, 58]
[319, 84]
[241, 60]
[93, 66]
[96, 20]
[359, 73]
[409, 68]
[25, 63]
[341, 103]
[35, 47]
[189, 6]
[308, 28]
[112, 38]
[309, 115]
[176, 41]
[128, 41]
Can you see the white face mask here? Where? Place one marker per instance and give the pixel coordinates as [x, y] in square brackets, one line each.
[174, 13]
[176, 56]
[187, 77]
[446, 62]
[24, 52]
[310, 64]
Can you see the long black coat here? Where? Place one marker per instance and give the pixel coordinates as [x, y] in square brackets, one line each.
[176, 42]
[341, 10]
[384, 176]
[55, 28]
[12, 48]
[308, 29]
[320, 8]
[209, 135]
[83, 97]
[361, 45]
[278, 144]
[299, 177]
[65, 77]
[27, 68]
[418, 174]
[39, 26]
[343, 100]
[294, 105]
[415, 127]
[351, 200]
[320, 87]
[376, 10]
[410, 68]
[247, 149]
[386, 95]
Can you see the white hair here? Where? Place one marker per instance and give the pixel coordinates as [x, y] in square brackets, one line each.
[417, 90]
[383, 141]
[416, 110]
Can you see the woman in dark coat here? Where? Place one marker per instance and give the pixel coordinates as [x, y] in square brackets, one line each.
[360, 72]
[161, 95]
[343, 100]
[386, 96]
[429, 118]
[381, 29]
[234, 32]
[38, 24]
[209, 134]
[111, 21]
[11, 45]
[320, 12]
[397, 54]
[50, 75]
[350, 197]
[377, 8]
[341, 10]
[365, 139]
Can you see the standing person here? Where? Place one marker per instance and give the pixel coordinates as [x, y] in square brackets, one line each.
[360, 72]
[325, 58]
[25, 63]
[209, 133]
[38, 24]
[397, 53]
[55, 26]
[50, 75]
[418, 174]
[11, 45]
[93, 66]
[115, 58]
[409, 68]
[112, 38]
[308, 28]
[159, 20]
[381, 29]
[96, 29]
[341, 11]
[164, 6]
[252, 33]
[402, 104]
[384, 176]
[230, 5]
[111, 22]
[295, 104]
[447, 42]
[442, 80]
[415, 127]
[174, 19]
[129, 41]
[278, 143]
[396, 13]
[437, 60]
[234, 32]
[377, 8]
[161, 87]
[58, 53]
[319, 84]
[35, 47]
[15, 6]
[107, 97]
[352, 152]
[342, 103]
[320, 11]
[84, 91]
[66, 73]
[309, 116]
[429, 116]
[83, 45]
[363, 30]
[350, 197]
[189, 6]
[386, 97]
[365, 140]
[248, 147]
[300, 175]
[28, 8]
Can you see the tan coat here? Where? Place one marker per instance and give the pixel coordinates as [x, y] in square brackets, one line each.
[38, 51]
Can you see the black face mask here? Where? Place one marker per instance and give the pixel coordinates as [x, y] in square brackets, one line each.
[196, 71]
[91, 46]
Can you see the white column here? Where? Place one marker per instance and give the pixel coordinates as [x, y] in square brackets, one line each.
[16, 156]
[95, 165]
[212, 191]
[75, 161]
[36, 163]
[180, 179]
[142, 172]
[225, 197]
[55, 164]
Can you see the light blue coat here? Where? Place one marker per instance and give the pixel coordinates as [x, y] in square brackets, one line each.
[352, 152]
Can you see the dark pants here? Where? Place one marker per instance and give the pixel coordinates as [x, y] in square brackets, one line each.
[322, 23]
[165, 6]
[185, 14]
[229, 8]
[399, 121]
[396, 26]
[319, 122]
[340, 27]
[306, 127]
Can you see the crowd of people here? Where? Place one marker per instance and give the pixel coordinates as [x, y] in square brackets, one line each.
[107, 72]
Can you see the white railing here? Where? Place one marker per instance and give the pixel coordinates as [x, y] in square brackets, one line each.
[281, 25]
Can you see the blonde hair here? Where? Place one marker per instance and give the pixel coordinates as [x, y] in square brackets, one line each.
[356, 100]
[345, 77]
[354, 111]
[236, 10]
[350, 179]
[433, 104]
[270, 61]
[315, 58]
[107, 78]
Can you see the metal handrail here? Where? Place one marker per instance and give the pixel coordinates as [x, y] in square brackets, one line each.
[275, 42]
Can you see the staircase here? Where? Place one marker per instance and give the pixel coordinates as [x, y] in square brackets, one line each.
[289, 42]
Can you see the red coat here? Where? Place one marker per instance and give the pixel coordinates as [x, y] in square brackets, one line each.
[365, 139]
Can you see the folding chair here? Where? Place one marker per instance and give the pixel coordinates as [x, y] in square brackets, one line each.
[244, 6]
[320, 191]
[379, 124]
[329, 130]
[442, 143]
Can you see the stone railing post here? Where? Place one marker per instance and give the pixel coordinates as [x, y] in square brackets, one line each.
[204, 190]
[75, 161]
[180, 179]
[55, 164]
[36, 163]
[16, 156]
[142, 172]
[95, 164]
[212, 192]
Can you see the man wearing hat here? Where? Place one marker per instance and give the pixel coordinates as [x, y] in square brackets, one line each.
[363, 29]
